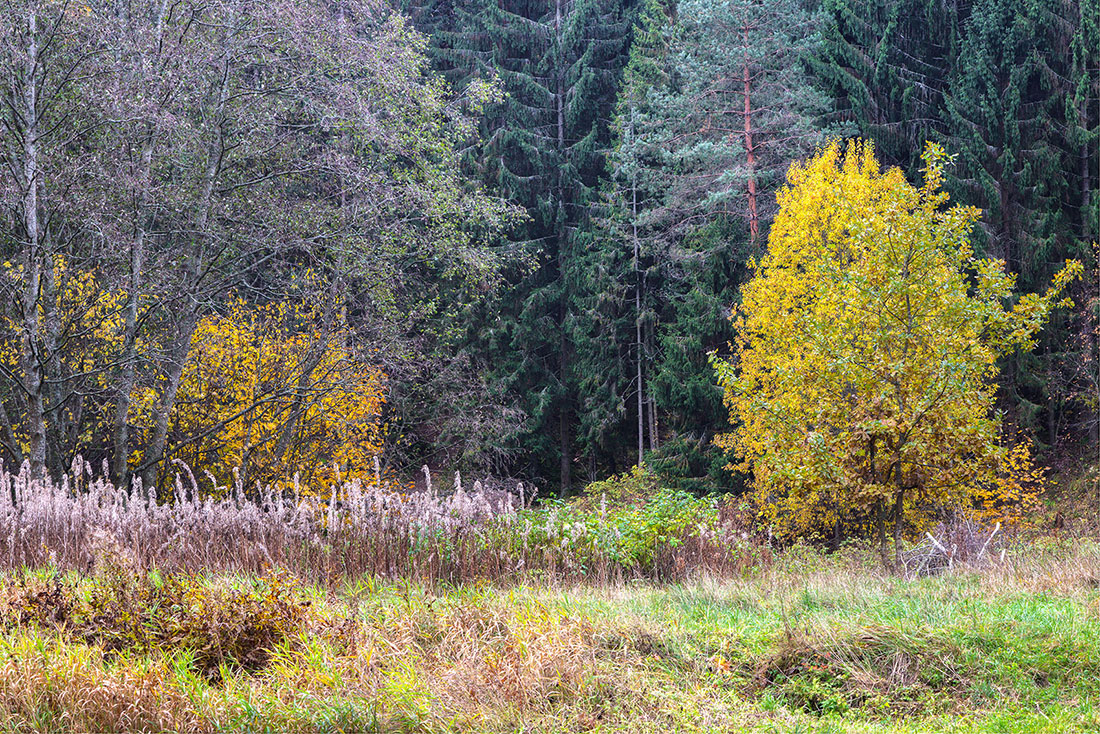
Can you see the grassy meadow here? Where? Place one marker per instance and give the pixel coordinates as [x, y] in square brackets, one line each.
[807, 643]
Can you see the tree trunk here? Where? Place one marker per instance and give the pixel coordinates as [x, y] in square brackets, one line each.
[192, 273]
[298, 407]
[30, 357]
[654, 435]
[750, 155]
[1086, 184]
[177, 362]
[566, 454]
[654, 432]
[1053, 404]
[120, 453]
[637, 306]
[880, 530]
[120, 450]
[9, 437]
[638, 376]
[899, 511]
[60, 427]
[566, 446]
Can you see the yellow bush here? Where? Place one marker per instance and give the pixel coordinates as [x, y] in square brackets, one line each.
[269, 394]
[867, 345]
[1014, 492]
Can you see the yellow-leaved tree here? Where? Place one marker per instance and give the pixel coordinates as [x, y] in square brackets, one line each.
[862, 379]
[79, 321]
[267, 394]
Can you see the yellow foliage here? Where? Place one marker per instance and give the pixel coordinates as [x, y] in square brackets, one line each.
[81, 325]
[1014, 491]
[267, 393]
[263, 390]
[866, 346]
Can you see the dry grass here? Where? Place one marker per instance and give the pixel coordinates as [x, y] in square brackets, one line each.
[460, 656]
[156, 617]
[47, 684]
[356, 530]
[403, 659]
[1060, 566]
[812, 643]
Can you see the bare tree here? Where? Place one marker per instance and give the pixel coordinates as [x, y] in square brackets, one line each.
[161, 156]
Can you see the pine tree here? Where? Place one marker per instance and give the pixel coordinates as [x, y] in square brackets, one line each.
[712, 109]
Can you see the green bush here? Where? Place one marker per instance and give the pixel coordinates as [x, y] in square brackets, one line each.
[626, 520]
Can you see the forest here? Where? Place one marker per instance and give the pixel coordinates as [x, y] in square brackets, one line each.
[549, 365]
[514, 231]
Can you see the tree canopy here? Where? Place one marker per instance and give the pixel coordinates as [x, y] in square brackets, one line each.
[866, 345]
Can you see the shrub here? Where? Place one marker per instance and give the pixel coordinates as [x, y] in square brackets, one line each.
[626, 521]
[866, 345]
[122, 611]
[285, 394]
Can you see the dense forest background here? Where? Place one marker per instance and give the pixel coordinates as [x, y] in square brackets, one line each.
[647, 141]
[496, 235]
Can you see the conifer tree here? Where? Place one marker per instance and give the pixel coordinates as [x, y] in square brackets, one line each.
[1018, 111]
[558, 63]
[887, 65]
[1008, 115]
[712, 109]
[615, 306]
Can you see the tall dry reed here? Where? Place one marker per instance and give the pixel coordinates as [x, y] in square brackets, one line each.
[352, 530]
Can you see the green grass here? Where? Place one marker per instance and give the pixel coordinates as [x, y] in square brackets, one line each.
[812, 644]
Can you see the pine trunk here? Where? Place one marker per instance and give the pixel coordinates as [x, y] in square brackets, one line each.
[750, 155]
[637, 307]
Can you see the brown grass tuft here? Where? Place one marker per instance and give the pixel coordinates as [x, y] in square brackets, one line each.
[49, 685]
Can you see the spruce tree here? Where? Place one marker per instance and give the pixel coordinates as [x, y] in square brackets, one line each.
[617, 301]
[1007, 115]
[1018, 115]
[887, 64]
[558, 63]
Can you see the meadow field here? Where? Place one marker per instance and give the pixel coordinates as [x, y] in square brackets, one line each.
[499, 366]
[807, 643]
[475, 611]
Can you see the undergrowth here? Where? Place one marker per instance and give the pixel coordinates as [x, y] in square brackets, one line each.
[122, 612]
[625, 528]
